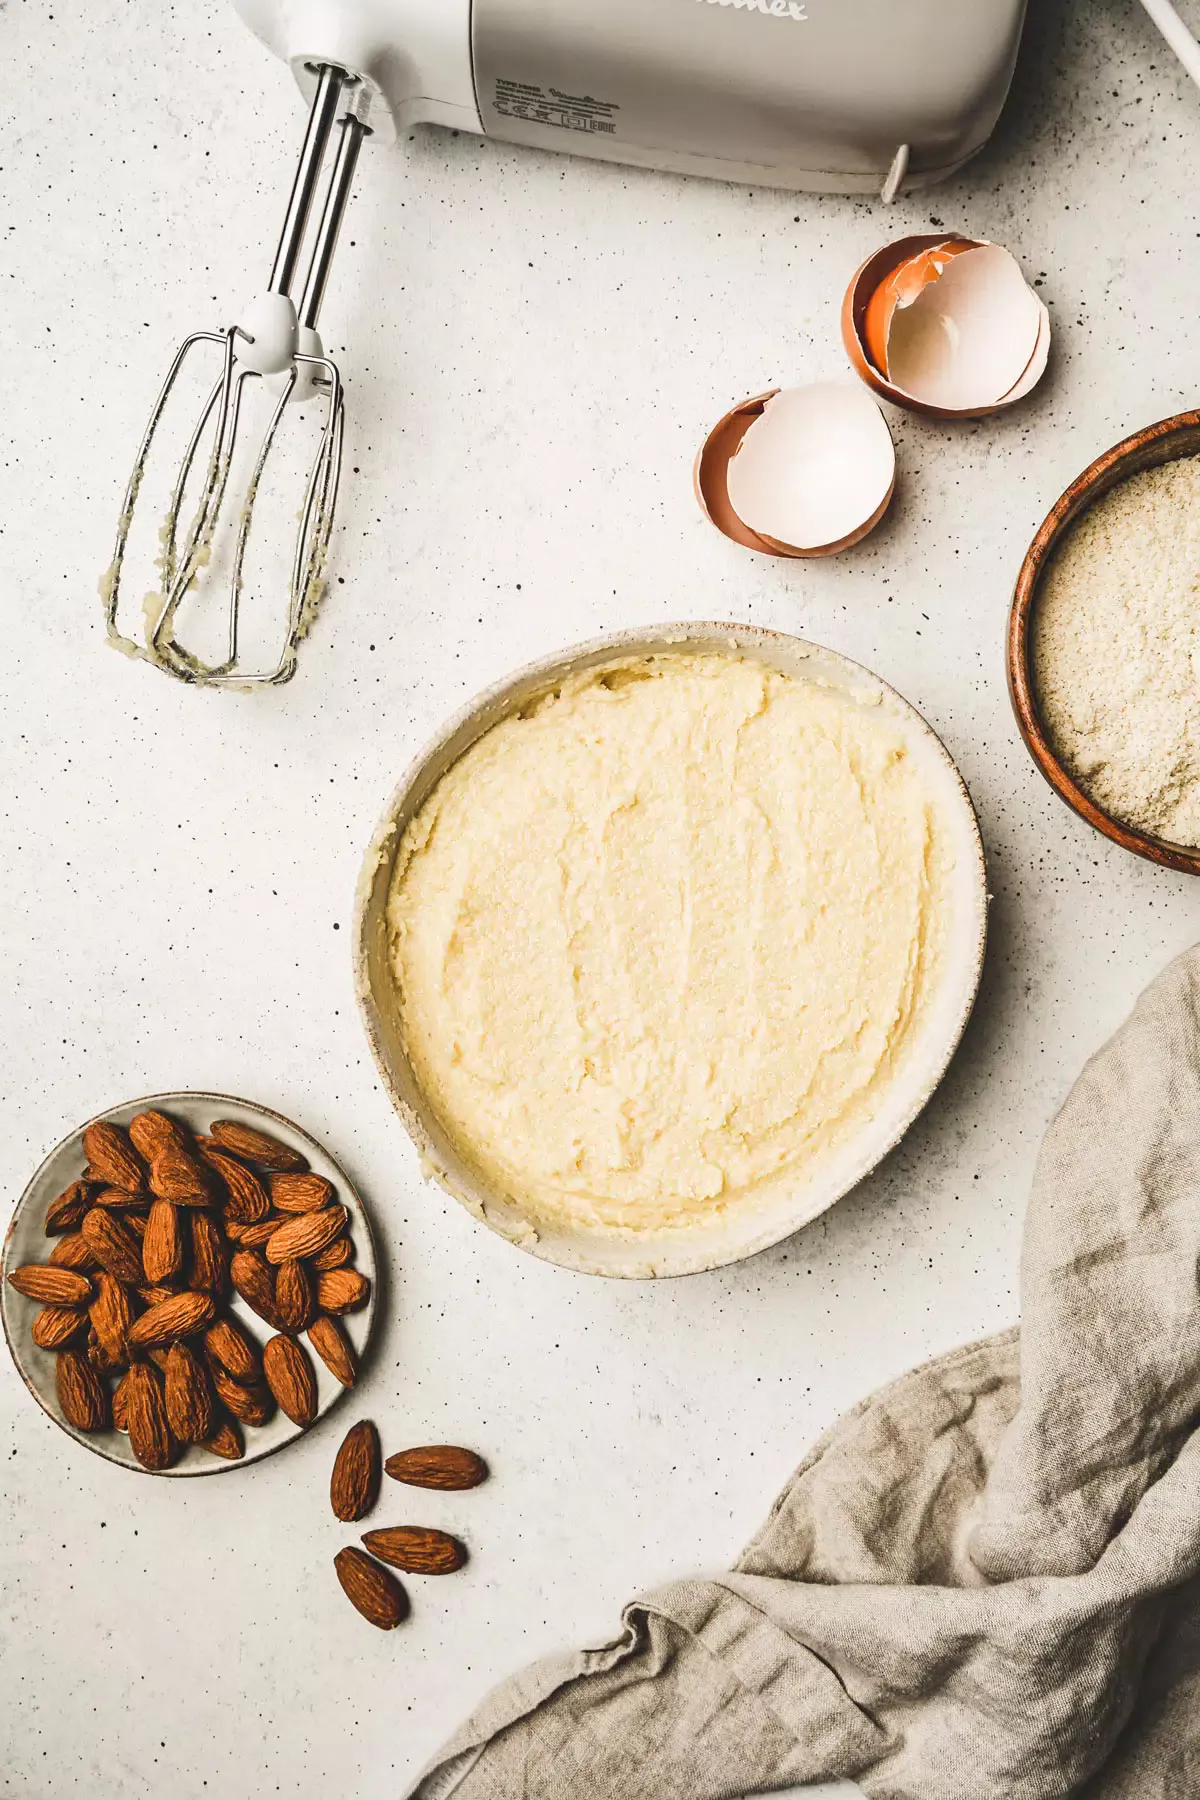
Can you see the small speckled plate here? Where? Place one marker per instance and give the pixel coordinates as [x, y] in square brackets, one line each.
[742, 1230]
[26, 1242]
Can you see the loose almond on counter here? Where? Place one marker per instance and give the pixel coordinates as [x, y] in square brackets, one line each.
[444, 1466]
[417, 1549]
[354, 1484]
[371, 1589]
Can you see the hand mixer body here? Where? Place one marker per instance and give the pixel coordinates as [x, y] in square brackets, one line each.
[807, 94]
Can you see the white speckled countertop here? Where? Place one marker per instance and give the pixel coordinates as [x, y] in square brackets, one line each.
[534, 348]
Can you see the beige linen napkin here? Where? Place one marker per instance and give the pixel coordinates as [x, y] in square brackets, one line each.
[984, 1583]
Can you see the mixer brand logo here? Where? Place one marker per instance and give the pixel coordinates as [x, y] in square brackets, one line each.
[774, 9]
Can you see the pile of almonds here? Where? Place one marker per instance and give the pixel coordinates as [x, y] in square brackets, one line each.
[417, 1549]
[157, 1232]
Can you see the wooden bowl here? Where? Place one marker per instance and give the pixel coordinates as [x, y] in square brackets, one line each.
[1164, 442]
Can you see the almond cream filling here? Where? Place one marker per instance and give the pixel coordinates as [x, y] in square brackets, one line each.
[662, 942]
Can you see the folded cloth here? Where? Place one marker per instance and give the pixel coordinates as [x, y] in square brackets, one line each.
[984, 1583]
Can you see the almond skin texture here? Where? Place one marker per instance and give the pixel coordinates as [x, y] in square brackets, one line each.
[342, 1290]
[188, 1396]
[290, 1377]
[334, 1255]
[209, 1259]
[252, 1403]
[179, 1176]
[418, 1549]
[112, 1318]
[112, 1159]
[57, 1326]
[66, 1212]
[52, 1286]
[234, 1350]
[256, 1146]
[306, 1234]
[371, 1588]
[299, 1193]
[120, 1406]
[146, 1418]
[117, 1200]
[73, 1252]
[354, 1484]
[81, 1396]
[153, 1132]
[113, 1245]
[162, 1246]
[227, 1442]
[255, 1282]
[294, 1298]
[442, 1466]
[255, 1235]
[329, 1341]
[171, 1319]
[246, 1197]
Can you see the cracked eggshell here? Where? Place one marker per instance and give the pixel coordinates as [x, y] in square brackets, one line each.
[945, 326]
[800, 472]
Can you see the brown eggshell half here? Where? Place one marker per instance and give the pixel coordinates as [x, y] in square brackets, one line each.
[709, 479]
[867, 278]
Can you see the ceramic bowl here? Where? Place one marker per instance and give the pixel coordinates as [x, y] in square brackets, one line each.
[26, 1242]
[1165, 442]
[741, 1232]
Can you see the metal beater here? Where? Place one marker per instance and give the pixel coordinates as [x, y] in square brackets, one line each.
[276, 343]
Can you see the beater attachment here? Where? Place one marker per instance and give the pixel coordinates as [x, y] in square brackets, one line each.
[269, 365]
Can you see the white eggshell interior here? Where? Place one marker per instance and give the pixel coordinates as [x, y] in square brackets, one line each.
[814, 467]
[968, 337]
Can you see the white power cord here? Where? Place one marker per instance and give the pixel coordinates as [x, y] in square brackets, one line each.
[1177, 35]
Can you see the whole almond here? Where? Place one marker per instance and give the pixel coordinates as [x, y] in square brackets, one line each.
[81, 1395]
[113, 1245]
[146, 1417]
[330, 1343]
[66, 1211]
[294, 1299]
[120, 1406]
[73, 1252]
[354, 1484]
[256, 1146]
[251, 1402]
[334, 1255]
[209, 1259]
[188, 1397]
[289, 1375]
[255, 1235]
[172, 1319]
[299, 1193]
[342, 1290]
[179, 1176]
[162, 1246]
[153, 1132]
[117, 1200]
[226, 1442]
[51, 1285]
[111, 1157]
[255, 1282]
[371, 1589]
[442, 1466]
[112, 1317]
[234, 1350]
[306, 1234]
[418, 1549]
[245, 1197]
[154, 1296]
[57, 1326]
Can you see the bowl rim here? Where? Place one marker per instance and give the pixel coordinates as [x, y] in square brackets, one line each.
[518, 688]
[1167, 440]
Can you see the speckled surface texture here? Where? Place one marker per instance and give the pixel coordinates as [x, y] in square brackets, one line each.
[534, 348]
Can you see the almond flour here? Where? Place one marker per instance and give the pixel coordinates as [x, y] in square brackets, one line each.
[1116, 652]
